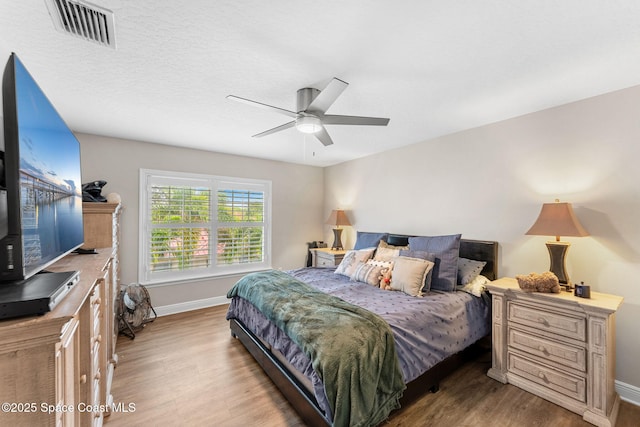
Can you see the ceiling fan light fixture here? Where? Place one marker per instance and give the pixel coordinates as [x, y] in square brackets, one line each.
[308, 124]
[310, 116]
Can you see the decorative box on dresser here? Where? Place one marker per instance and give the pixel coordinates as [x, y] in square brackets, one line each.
[56, 369]
[102, 228]
[557, 346]
[325, 257]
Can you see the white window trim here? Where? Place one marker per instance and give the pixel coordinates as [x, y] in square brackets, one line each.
[214, 182]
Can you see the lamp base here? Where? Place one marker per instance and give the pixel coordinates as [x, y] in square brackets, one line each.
[558, 254]
[337, 239]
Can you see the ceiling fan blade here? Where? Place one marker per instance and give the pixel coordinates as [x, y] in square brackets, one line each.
[354, 120]
[264, 106]
[328, 95]
[323, 137]
[275, 129]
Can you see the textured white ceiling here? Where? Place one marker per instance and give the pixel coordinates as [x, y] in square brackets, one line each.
[433, 67]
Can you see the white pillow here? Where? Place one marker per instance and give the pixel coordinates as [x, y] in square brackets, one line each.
[409, 274]
[351, 259]
[476, 286]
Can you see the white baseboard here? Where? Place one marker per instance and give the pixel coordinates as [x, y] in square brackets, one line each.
[628, 393]
[181, 307]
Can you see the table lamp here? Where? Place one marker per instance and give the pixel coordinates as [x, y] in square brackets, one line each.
[557, 219]
[337, 218]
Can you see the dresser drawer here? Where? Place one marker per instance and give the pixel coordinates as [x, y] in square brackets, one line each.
[553, 322]
[552, 351]
[560, 382]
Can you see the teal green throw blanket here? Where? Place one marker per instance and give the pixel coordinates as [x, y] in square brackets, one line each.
[351, 349]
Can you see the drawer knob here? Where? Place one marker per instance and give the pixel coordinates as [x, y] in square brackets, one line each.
[543, 321]
[83, 379]
[543, 350]
[542, 376]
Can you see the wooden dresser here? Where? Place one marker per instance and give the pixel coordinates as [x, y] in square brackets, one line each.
[56, 369]
[557, 346]
[58, 363]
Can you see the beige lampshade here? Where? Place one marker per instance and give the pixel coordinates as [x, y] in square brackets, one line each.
[557, 219]
[338, 217]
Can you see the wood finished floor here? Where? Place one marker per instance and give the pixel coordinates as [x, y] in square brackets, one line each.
[186, 370]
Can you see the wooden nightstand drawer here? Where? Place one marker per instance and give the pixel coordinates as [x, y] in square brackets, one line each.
[548, 350]
[326, 262]
[560, 382]
[552, 322]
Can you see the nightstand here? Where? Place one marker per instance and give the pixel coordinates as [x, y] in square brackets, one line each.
[557, 346]
[325, 257]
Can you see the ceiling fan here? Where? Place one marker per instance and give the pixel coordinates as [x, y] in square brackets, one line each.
[312, 105]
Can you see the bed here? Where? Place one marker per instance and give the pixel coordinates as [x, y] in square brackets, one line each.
[424, 352]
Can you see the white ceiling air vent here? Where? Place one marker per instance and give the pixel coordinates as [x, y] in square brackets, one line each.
[84, 20]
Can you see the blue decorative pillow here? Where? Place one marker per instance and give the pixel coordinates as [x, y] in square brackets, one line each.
[446, 250]
[365, 239]
[468, 270]
[422, 255]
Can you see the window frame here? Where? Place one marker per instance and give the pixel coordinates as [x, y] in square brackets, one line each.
[151, 177]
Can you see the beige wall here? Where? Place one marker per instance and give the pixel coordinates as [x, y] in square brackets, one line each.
[490, 182]
[297, 197]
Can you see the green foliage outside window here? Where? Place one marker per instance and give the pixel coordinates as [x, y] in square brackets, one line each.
[240, 240]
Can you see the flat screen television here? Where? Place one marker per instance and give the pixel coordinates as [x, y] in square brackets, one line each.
[40, 183]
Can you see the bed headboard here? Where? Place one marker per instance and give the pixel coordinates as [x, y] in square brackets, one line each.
[479, 250]
[482, 250]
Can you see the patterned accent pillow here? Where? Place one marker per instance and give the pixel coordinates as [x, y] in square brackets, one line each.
[370, 272]
[386, 252]
[468, 270]
[409, 275]
[351, 259]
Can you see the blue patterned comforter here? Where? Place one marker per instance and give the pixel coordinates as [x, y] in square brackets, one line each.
[426, 330]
